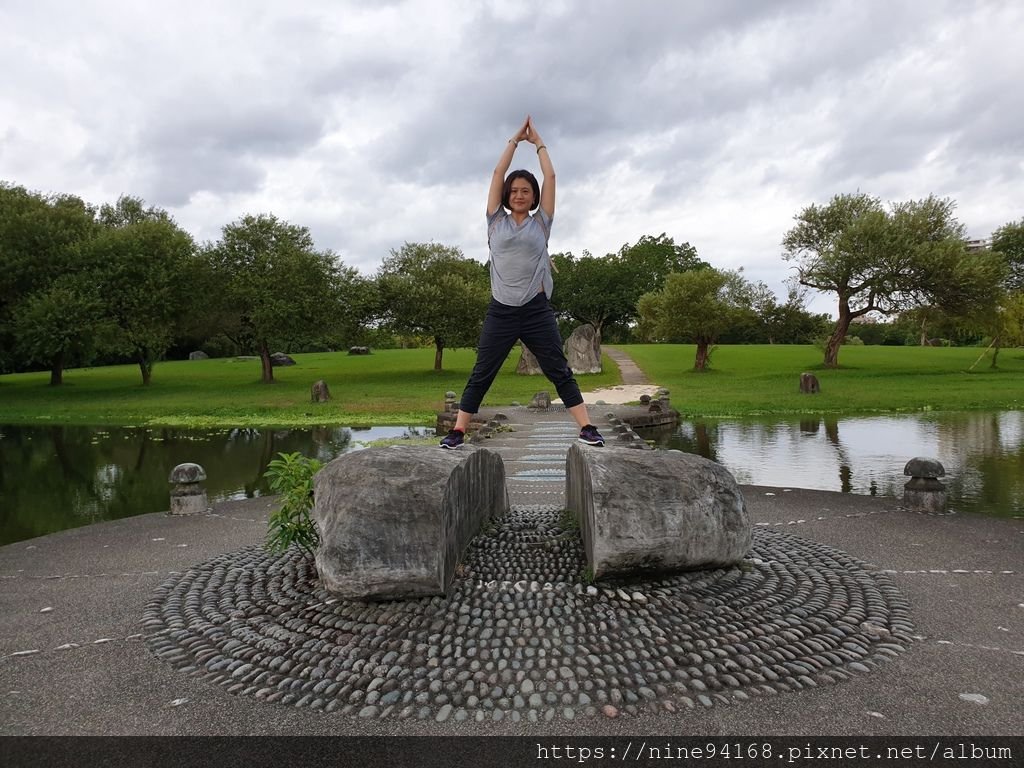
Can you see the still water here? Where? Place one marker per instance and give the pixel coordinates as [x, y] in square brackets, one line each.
[53, 478]
[982, 453]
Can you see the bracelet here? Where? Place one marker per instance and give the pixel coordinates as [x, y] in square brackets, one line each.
[542, 146]
[513, 141]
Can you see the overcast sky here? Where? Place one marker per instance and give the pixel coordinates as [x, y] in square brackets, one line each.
[377, 123]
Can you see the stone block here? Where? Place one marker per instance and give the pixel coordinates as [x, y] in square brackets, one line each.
[395, 521]
[541, 401]
[583, 350]
[809, 384]
[188, 496]
[319, 392]
[528, 365]
[649, 511]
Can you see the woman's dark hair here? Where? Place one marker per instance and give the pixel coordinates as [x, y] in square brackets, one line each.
[507, 189]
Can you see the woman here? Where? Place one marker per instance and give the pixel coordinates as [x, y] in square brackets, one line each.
[521, 285]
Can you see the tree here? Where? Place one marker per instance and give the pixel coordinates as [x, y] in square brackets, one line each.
[604, 291]
[41, 238]
[59, 324]
[651, 260]
[1008, 240]
[1004, 320]
[432, 289]
[695, 307]
[592, 290]
[885, 261]
[145, 262]
[272, 284]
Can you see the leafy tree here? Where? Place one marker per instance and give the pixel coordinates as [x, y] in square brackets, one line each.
[144, 262]
[1008, 240]
[129, 210]
[433, 290]
[593, 290]
[791, 323]
[695, 307]
[59, 325]
[604, 291]
[41, 237]
[885, 261]
[652, 259]
[272, 286]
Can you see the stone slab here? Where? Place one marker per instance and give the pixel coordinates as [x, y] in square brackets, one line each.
[642, 511]
[395, 521]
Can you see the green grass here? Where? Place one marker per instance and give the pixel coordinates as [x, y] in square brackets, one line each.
[401, 387]
[763, 379]
[388, 387]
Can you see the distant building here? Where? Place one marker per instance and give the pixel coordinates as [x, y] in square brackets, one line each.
[978, 245]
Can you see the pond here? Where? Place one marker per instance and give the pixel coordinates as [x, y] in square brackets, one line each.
[982, 453]
[53, 478]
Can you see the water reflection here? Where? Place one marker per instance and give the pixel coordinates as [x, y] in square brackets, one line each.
[983, 454]
[62, 477]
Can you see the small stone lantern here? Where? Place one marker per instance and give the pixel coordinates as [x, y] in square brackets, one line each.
[924, 491]
[188, 496]
[450, 403]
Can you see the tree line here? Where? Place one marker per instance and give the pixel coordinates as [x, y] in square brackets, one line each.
[908, 261]
[83, 285]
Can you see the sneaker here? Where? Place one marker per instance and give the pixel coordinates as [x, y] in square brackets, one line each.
[591, 436]
[453, 440]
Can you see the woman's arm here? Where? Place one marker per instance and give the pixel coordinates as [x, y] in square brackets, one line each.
[504, 162]
[547, 190]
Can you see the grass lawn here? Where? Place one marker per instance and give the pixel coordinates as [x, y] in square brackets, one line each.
[390, 386]
[747, 380]
[401, 387]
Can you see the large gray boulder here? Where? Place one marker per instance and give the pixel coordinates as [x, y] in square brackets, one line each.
[395, 521]
[642, 511]
[528, 365]
[583, 349]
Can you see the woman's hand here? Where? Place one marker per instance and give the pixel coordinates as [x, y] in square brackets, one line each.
[531, 132]
[523, 134]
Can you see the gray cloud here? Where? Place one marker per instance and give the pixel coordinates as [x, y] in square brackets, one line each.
[378, 123]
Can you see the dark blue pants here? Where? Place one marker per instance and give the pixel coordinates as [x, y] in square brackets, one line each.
[535, 325]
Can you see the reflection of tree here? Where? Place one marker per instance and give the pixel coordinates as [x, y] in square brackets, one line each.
[267, 442]
[810, 426]
[845, 471]
[704, 448]
[699, 437]
[57, 478]
[992, 478]
[70, 472]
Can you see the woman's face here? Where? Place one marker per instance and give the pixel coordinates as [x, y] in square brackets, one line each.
[520, 196]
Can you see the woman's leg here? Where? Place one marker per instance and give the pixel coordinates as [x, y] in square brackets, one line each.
[540, 333]
[499, 334]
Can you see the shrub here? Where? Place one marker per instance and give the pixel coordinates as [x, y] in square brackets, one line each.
[291, 475]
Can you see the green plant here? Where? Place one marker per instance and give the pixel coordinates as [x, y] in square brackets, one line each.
[291, 475]
[568, 521]
[587, 575]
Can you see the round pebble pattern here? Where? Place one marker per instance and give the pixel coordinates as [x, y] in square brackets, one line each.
[521, 636]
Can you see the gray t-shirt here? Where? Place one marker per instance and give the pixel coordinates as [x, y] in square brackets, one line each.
[520, 265]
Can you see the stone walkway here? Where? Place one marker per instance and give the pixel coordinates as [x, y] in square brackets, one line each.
[631, 373]
[533, 446]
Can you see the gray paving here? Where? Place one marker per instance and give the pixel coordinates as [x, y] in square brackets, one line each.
[73, 659]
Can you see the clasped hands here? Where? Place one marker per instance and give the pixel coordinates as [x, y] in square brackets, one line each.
[527, 133]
